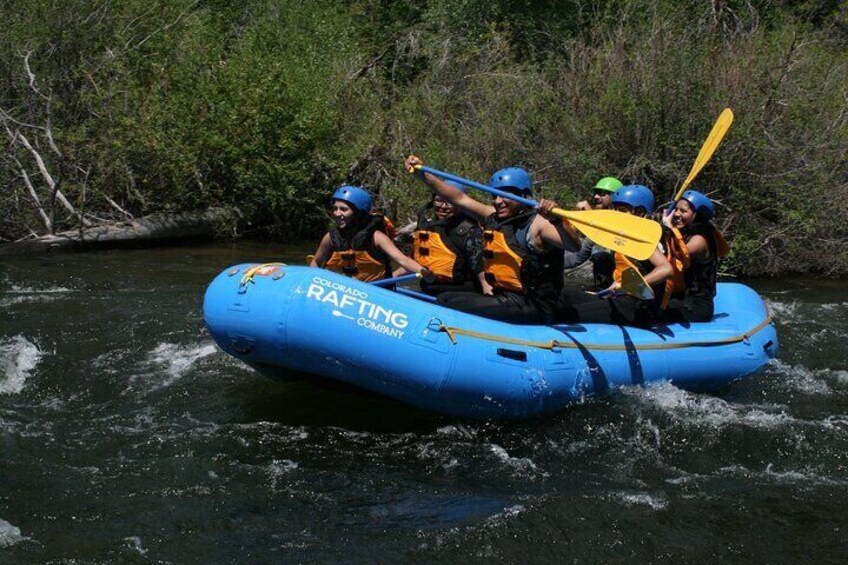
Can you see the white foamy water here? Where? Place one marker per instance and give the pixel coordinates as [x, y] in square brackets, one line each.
[703, 409]
[780, 476]
[808, 381]
[795, 312]
[18, 358]
[9, 534]
[642, 499]
[172, 361]
[278, 469]
[835, 307]
[506, 514]
[784, 311]
[519, 465]
[18, 294]
[135, 543]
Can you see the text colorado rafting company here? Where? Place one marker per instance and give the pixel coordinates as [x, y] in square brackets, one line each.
[353, 304]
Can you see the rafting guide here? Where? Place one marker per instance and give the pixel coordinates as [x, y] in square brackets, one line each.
[352, 303]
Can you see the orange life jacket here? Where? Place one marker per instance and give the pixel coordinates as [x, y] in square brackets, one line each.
[510, 265]
[439, 245]
[678, 255]
[501, 264]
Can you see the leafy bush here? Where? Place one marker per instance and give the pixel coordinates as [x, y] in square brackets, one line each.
[266, 105]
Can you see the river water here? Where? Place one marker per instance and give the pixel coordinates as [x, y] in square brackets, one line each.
[127, 436]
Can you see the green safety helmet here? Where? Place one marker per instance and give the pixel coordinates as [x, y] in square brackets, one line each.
[610, 184]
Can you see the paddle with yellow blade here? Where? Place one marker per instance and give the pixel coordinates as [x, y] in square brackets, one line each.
[715, 137]
[720, 128]
[632, 283]
[628, 234]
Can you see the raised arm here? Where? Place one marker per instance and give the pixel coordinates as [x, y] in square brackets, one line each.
[477, 210]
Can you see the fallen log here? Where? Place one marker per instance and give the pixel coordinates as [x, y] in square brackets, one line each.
[155, 228]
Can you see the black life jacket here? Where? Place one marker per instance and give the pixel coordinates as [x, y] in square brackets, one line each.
[603, 266]
[702, 273]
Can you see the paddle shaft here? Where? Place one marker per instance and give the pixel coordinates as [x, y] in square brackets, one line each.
[576, 217]
[712, 142]
[479, 186]
[395, 280]
[415, 294]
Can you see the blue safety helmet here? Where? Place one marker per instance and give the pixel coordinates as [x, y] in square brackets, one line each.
[355, 196]
[636, 196]
[512, 177]
[703, 206]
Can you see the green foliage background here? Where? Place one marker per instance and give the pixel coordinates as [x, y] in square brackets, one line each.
[267, 105]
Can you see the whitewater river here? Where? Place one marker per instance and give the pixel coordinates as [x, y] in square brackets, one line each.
[126, 436]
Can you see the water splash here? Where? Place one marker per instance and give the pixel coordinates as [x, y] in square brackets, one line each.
[798, 378]
[642, 499]
[9, 534]
[19, 294]
[278, 469]
[786, 312]
[519, 465]
[172, 361]
[134, 542]
[18, 358]
[699, 409]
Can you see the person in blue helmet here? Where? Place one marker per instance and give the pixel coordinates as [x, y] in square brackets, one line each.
[623, 309]
[450, 245]
[357, 246]
[695, 245]
[522, 250]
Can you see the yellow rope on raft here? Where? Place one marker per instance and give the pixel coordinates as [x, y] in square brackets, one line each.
[554, 344]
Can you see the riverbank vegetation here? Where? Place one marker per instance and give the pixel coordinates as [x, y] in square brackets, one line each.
[118, 109]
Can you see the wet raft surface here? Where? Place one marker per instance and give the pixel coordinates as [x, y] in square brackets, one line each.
[127, 436]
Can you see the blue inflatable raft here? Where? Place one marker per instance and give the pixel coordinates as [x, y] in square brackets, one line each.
[275, 317]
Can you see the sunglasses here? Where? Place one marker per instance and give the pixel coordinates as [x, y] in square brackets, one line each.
[600, 192]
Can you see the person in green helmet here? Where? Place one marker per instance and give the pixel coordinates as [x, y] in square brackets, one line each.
[603, 263]
[601, 194]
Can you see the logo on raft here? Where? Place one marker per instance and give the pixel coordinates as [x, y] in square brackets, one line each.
[353, 304]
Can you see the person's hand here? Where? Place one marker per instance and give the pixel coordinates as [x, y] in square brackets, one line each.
[413, 163]
[487, 288]
[613, 289]
[427, 275]
[666, 218]
[583, 205]
[546, 208]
